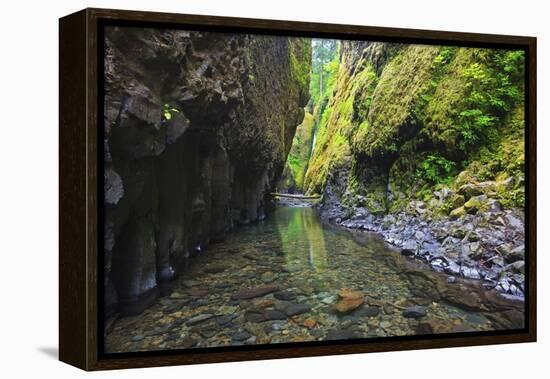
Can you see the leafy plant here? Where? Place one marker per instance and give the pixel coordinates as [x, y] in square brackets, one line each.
[167, 111]
[494, 86]
[436, 169]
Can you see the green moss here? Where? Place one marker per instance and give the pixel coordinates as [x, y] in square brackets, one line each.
[298, 158]
[393, 103]
[300, 61]
[457, 213]
[433, 117]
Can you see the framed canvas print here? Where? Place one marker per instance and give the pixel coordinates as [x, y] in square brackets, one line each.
[237, 189]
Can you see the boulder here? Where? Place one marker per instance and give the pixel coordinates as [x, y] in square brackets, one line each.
[349, 300]
[470, 190]
[249, 293]
[414, 312]
[474, 204]
[457, 213]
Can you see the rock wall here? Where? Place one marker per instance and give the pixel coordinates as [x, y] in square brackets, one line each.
[197, 130]
[417, 143]
[292, 179]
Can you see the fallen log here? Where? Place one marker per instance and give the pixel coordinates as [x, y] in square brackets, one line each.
[292, 196]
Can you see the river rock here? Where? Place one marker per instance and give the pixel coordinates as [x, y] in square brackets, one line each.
[258, 315]
[285, 295]
[344, 334]
[199, 318]
[293, 309]
[214, 268]
[250, 293]
[268, 277]
[414, 312]
[367, 312]
[350, 300]
[241, 336]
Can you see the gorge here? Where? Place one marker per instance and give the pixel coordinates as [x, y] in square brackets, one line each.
[416, 152]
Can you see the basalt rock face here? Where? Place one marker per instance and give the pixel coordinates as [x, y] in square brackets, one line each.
[197, 130]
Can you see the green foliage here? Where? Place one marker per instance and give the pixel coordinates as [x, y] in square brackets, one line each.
[436, 169]
[167, 111]
[434, 115]
[324, 69]
[493, 86]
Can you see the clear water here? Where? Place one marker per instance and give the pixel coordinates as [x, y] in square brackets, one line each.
[313, 262]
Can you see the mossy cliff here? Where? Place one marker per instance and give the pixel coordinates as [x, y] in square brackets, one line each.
[425, 146]
[292, 180]
[404, 122]
[198, 127]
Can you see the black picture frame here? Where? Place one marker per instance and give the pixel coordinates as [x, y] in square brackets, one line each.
[81, 188]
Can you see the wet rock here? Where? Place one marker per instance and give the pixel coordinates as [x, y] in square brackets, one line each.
[367, 312]
[409, 248]
[341, 335]
[471, 250]
[264, 315]
[250, 293]
[199, 318]
[241, 336]
[350, 300]
[272, 314]
[214, 268]
[268, 277]
[252, 257]
[517, 266]
[462, 328]
[385, 324]
[424, 328]
[208, 333]
[188, 342]
[414, 312]
[226, 319]
[328, 300]
[515, 254]
[138, 337]
[254, 316]
[461, 297]
[197, 292]
[514, 222]
[293, 309]
[309, 323]
[470, 272]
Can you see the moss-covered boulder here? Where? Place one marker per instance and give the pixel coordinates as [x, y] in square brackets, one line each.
[457, 213]
[475, 203]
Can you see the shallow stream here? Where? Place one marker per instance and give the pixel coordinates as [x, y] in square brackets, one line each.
[285, 279]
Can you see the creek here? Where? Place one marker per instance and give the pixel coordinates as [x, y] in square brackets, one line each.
[291, 278]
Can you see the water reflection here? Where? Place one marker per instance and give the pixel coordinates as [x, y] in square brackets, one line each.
[302, 238]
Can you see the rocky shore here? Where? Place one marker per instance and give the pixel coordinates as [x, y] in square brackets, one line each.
[479, 240]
